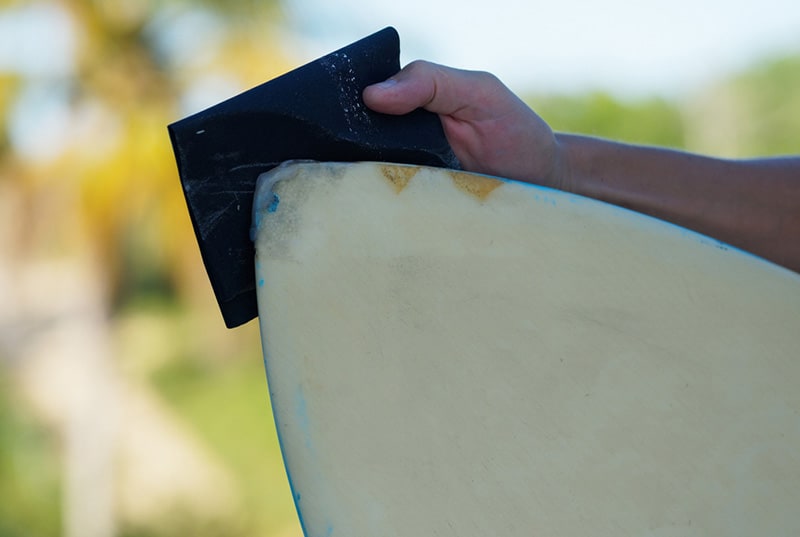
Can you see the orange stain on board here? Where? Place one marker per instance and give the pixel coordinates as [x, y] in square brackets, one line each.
[399, 176]
[476, 185]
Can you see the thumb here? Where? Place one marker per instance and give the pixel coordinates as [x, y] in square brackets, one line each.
[464, 95]
[439, 89]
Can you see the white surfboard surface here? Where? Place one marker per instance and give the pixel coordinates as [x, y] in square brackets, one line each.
[450, 354]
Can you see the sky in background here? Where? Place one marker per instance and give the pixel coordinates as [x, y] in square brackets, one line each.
[623, 46]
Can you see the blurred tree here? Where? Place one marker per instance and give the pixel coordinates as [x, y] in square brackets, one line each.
[752, 113]
[8, 88]
[651, 121]
[127, 86]
[109, 195]
[755, 113]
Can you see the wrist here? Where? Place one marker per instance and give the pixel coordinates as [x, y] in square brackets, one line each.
[561, 176]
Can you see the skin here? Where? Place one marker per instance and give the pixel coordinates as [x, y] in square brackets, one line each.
[751, 204]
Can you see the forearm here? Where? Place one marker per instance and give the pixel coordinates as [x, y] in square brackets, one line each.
[750, 204]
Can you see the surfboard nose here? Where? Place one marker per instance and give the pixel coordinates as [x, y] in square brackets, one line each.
[455, 354]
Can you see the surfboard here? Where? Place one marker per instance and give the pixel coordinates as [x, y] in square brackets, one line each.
[453, 354]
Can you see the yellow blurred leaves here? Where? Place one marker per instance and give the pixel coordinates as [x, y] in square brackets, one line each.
[9, 84]
[254, 59]
[99, 190]
[113, 191]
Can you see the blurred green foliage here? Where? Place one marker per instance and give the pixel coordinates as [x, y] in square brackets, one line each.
[753, 113]
[652, 121]
[228, 404]
[768, 93]
[29, 471]
[110, 196]
[218, 386]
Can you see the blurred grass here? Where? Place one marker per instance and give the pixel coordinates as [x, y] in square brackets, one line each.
[29, 470]
[219, 388]
[228, 405]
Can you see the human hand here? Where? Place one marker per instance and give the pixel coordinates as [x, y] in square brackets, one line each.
[489, 128]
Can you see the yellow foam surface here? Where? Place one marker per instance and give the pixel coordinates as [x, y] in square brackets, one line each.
[451, 354]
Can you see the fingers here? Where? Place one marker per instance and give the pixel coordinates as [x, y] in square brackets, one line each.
[411, 88]
[490, 129]
[439, 89]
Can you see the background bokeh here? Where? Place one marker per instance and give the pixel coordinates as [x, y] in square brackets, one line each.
[126, 407]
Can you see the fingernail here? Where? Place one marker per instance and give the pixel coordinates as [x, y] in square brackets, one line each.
[386, 84]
